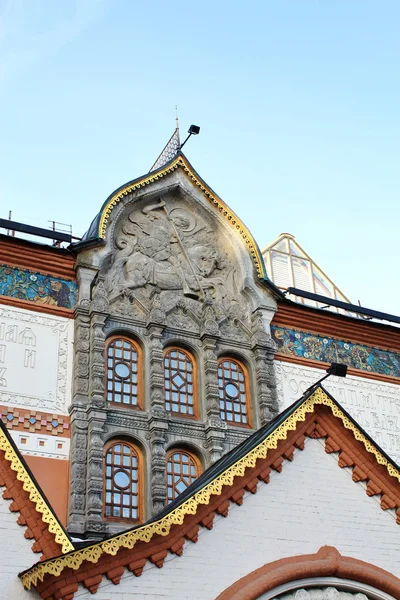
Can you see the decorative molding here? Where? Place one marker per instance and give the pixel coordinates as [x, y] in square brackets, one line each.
[45, 446]
[14, 326]
[32, 421]
[326, 349]
[217, 203]
[24, 284]
[225, 480]
[24, 254]
[29, 486]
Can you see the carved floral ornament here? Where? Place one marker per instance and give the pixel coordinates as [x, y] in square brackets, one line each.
[180, 162]
[163, 526]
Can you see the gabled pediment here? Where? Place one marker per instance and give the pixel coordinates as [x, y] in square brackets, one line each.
[316, 416]
[158, 181]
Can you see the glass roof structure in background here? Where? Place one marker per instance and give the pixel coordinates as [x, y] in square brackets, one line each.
[288, 265]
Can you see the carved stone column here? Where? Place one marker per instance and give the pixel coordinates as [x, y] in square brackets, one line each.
[95, 476]
[78, 414]
[215, 427]
[97, 413]
[211, 378]
[158, 423]
[155, 327]
[158, 440]
[263, 351]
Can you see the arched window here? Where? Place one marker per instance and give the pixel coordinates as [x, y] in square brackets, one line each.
[233, 392]
[182, 469]
[122, 482]
[123, 372]
[179, 382]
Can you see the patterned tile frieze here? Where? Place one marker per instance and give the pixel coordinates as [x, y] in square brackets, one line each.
[325, 349]
[32, 421]
[36, 287]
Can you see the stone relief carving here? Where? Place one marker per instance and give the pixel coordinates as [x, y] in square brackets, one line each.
[169, 249]
[100, 298]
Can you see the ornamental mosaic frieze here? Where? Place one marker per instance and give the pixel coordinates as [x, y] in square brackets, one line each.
[24, 284]
[325, 349]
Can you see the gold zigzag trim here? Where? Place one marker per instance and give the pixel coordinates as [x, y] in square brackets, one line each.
[179, 162]
[34, 494]
[163, 526]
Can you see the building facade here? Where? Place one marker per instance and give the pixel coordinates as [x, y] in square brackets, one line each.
[139, 357]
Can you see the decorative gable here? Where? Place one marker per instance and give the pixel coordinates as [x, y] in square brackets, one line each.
[245, 470]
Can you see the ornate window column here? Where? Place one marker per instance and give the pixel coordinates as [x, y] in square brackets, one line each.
[264, 350]
[215, 427]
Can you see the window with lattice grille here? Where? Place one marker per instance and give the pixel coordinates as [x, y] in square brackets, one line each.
[179, 382]
[182, 470]
[233, 394]
[122, 489]
[123, 372]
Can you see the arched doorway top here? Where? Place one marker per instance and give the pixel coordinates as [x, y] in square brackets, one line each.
[326, 563]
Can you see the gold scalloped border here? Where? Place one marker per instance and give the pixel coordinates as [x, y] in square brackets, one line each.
[34, 495]
[176, 517]
[180, 162]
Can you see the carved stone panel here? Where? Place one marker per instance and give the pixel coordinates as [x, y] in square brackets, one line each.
[163, 245]
[35, 360]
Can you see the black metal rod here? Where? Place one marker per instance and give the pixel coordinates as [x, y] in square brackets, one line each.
[316, 383]
[373, 314]
[46, 233]
[181, 146]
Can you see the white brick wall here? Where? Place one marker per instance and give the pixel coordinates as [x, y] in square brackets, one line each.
[15, 554]
[310, 504]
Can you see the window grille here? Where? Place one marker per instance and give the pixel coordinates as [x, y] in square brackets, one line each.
[122, 482]
[232, 389]
[123, 385]
[182, 470]
[179, 374]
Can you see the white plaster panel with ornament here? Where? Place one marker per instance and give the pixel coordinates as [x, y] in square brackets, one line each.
[375, 405]
[35, 360]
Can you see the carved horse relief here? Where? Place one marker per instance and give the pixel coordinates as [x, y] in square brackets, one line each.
[169, 251]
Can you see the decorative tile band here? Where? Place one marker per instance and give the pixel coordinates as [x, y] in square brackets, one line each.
[36, 287]
[325, 349]
[28, 420]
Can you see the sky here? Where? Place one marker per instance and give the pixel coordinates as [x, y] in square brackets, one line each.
[297, 100]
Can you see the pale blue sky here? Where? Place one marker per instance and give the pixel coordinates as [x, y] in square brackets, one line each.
[298, 103]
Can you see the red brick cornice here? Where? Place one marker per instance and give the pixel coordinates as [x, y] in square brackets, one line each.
[327, 562]
[45, 259]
